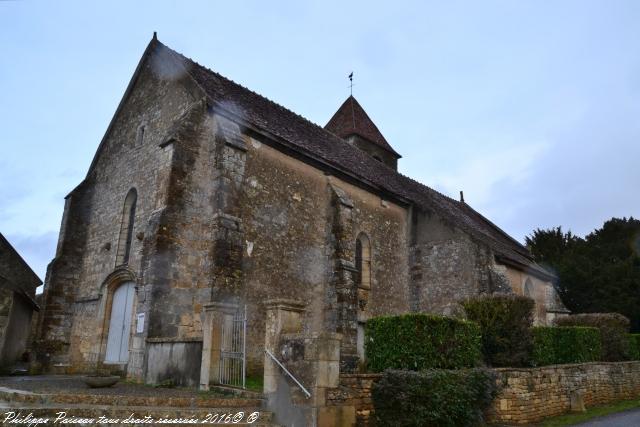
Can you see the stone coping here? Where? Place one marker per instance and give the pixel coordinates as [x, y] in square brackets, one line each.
[312, 335]
[160, 340]
[285, 304]
[565, 366]
[224, 307]
[367, 375]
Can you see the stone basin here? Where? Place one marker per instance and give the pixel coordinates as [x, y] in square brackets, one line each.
[95, 381]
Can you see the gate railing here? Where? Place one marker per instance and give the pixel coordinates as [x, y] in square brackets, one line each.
[233, 354]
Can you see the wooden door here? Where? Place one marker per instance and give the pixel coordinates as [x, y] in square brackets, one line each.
[120, 324]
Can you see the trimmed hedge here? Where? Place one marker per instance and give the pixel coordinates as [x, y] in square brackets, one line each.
[433, 398]
[420, 341]
[505, 322]
[614, 329]
[634, 346]
[554, 346]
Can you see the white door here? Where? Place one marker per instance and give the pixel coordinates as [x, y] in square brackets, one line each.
[120, 324]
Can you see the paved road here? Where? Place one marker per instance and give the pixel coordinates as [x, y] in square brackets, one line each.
[621, 419]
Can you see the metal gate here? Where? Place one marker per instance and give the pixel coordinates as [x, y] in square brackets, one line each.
[233, 355]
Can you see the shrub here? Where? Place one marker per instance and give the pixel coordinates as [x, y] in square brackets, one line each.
[552, 346]
[421, 341]
[634, 346]
[438, 398]
[505, 322]
[614, 330]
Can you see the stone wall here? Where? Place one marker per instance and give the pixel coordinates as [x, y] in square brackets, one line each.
[447, 266]
[299, 243]
[354, 391]
[542, 292]
[526, 395]
[529, 395]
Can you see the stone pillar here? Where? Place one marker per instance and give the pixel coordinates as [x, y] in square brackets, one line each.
[283, 316]
[343, 289]
[216, 314]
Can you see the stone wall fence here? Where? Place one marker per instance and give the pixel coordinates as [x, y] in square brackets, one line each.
[527, 395]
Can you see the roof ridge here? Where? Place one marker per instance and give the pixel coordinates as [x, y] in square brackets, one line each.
[247, 89]
[497, 228]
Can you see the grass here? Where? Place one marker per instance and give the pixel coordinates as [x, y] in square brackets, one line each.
[255, 383]
[594, 412]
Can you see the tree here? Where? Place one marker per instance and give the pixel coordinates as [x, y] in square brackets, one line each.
[598, 273]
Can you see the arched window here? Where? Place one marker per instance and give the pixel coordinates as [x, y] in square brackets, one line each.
[126, 227]
[363, 261]
[528, 289]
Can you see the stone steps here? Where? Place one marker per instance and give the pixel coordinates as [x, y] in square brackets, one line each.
[13, 395]
[139, 415]
[206, 410]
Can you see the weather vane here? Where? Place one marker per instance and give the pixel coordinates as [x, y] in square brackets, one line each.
[351, 84]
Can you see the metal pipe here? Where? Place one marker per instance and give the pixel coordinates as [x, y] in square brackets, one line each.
[288, 373]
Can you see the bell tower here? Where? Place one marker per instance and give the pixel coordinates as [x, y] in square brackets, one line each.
[352, 124]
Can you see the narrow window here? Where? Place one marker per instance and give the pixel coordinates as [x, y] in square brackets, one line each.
[363, 261]
[126, 228]
[140, 135]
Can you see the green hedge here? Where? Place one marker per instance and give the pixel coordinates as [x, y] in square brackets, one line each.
[634, 346]
[433, 398]
[614, 331]
[421, 341]
[553, 346]
[505, 321]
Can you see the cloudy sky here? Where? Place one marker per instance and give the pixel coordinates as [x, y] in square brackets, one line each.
[531, 107]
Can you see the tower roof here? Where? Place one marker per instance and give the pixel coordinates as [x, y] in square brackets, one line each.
[351, 119]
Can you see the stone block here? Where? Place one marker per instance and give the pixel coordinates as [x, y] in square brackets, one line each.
[327, 374]
[577, 401]
[337, 416]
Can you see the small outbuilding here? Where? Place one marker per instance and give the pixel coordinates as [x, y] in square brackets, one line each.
[18, 285]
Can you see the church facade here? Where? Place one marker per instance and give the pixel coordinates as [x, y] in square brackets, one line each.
[203, 192]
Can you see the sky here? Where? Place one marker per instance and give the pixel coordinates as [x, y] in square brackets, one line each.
[532, 108]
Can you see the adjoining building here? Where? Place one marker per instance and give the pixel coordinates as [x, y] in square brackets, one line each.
[18, 285]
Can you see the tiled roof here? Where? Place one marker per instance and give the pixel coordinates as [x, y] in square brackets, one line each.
[351, 119]
[312, 140]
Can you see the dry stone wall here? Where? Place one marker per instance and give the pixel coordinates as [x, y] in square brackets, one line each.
[529, 395]
[355, 391]
[526, 395]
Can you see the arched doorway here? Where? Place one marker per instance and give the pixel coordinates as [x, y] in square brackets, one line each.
[120, 324]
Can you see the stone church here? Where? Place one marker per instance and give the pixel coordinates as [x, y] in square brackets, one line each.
[204, 196]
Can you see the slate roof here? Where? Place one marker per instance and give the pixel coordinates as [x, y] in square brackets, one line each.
[351, 119]
[316, 142]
